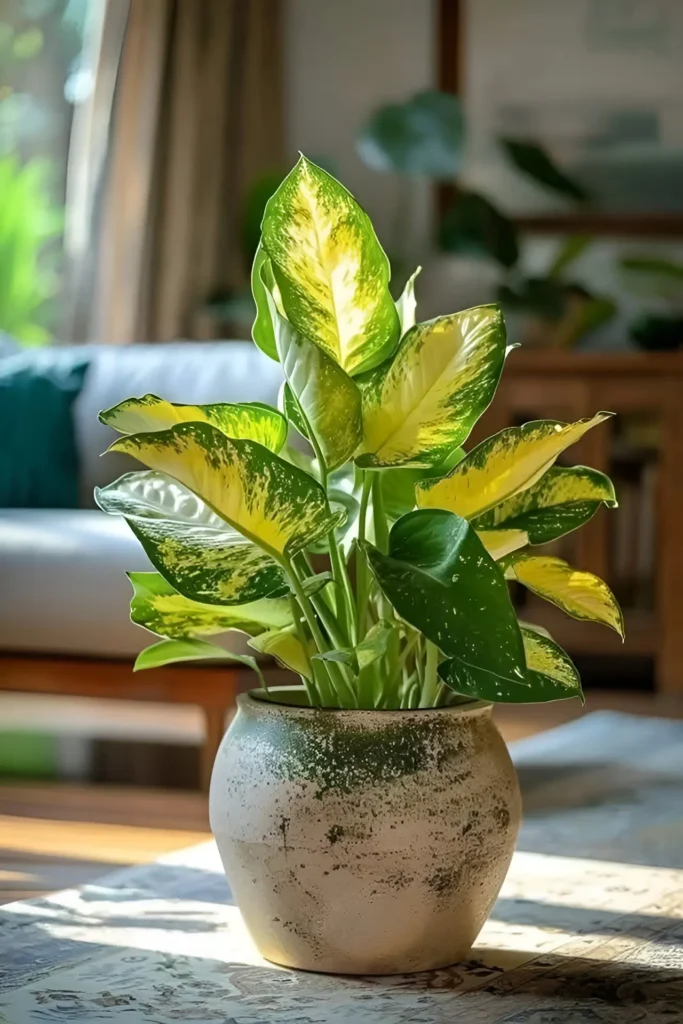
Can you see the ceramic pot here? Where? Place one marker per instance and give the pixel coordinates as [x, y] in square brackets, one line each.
[364, 842]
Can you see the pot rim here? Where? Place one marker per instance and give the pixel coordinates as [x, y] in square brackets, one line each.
[258, 697]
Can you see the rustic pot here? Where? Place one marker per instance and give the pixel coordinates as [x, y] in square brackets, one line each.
[364, 842]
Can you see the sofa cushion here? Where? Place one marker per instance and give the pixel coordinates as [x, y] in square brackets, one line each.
[190, 372]
[38, 455]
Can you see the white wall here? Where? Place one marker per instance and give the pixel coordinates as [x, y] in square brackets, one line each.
[343, 58]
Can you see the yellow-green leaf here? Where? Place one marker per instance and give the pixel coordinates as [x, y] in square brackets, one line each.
[424, 403]
[167, 652]
[504, 464]
[251, 420]
[262, 328]
[331, 270]
[563, 499]
[193, 548]
[327, 397]
[580, 594]
[499, 543]
[285, 646]
[266, 499]
[162, 610]
[548, 659]
[406, 304]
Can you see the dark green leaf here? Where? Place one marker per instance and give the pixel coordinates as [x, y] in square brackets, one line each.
[533, 161]
[474, 227]
[424, 136]
[550, 675]
[542, 296]
[440, 579]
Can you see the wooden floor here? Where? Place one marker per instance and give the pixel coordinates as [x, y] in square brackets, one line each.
[56, 836]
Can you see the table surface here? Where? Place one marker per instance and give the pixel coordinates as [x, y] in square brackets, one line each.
[588, 928]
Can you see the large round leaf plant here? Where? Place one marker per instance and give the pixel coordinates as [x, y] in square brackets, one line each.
[422, 533]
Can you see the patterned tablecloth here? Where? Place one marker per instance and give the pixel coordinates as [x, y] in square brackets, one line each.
[588, 928]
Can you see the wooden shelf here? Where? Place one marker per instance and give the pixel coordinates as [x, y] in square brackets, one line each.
[527, 361]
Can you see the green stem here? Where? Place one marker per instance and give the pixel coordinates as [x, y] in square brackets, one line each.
[314, 697]
[341, 578]
[362, 568]
[331, 670]
[321, 603]
[379, 518]
[430, 682]
[338, 570]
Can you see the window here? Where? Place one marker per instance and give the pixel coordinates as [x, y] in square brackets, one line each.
[43, 74]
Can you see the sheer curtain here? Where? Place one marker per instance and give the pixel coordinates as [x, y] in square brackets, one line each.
[196, 116]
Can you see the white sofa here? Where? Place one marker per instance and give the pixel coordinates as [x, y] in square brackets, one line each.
[62, 584]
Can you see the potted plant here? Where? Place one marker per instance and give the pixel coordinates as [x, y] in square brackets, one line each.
[366, 818]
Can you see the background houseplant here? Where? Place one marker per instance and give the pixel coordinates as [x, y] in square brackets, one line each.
[230, 516]
[426, 137]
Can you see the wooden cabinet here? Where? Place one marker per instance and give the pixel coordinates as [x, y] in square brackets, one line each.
[645, 390]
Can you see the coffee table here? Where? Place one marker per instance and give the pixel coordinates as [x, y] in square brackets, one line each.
[588, 928]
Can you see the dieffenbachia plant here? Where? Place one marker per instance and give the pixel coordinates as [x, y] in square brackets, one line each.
[422, 534]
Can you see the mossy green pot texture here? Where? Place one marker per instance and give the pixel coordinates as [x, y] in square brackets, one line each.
[364, 842]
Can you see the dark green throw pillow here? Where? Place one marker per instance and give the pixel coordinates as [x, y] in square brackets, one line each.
[38, 455]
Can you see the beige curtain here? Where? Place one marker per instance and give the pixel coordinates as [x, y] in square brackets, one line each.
[197, 116]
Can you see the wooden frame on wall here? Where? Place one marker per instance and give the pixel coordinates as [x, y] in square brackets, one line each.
[452, 63]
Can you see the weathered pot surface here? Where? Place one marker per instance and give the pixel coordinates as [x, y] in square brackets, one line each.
[364, 842]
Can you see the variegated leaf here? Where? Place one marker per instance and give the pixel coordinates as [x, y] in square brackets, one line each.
[331, 270]
[285, 646]
[550, 675]
[266, 499]
[328, 398]
[251, 420]
[563, 499]
[510, 461]
[193, 548]
[406, 304]
[162, 610]
[544, 658]
[499, 543]
[424, 403]
[167, 652]
[580, 594]
[262, 329]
